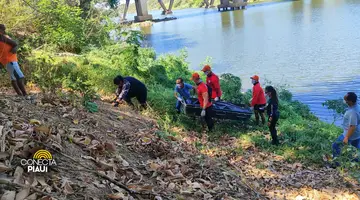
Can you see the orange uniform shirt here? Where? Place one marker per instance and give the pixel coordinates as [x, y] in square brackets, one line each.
[258, 95]
[213, 81]
[201, 89]
[5, 50]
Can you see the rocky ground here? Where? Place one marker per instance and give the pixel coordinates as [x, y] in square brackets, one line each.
[119, 154]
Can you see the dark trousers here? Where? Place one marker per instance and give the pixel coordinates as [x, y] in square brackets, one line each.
[209, 117]
[259, 111]
[338, 144]
[141, 96]
[273, 131]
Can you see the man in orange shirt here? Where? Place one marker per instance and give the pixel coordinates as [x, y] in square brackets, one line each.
[204, 99]
[8, 59]
[258, 101]
[213, 81]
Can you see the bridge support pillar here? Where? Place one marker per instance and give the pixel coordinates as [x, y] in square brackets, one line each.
[142, 11]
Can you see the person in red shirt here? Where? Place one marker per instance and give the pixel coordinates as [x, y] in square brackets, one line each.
[213, 81]
[8, 59]
[204, 99]
[258, 101]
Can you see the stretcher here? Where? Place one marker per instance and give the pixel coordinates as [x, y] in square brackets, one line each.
[221, 110]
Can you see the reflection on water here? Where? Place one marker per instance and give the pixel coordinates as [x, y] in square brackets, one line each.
[311, 45]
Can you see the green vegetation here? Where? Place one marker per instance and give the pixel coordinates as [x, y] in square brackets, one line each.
[46, 29]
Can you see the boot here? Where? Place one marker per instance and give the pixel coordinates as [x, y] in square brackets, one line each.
[21, 84]
[16, 87]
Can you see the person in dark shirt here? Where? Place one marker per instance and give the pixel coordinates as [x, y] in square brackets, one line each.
[272, 112]
[129, 87]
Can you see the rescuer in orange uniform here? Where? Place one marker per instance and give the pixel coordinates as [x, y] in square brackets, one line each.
[213, 81]
[258, 101]
[8, 59]
[204, 99]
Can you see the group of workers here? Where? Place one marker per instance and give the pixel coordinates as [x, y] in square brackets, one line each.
[207, 93]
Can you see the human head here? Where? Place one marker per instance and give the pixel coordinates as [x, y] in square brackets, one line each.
[180, 82]
[254, 79]
[119, 80]
[195, 77]
[207, 70]
[2, 29]
[350, 98]
[271, 92]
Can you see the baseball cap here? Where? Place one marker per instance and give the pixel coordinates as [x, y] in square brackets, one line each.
[206, 68]
[195, 76]
[255, 77]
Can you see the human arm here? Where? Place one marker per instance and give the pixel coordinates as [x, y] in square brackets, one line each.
[254, 97]
[205, 96]
[6, 39]
[216, 86]
[124, 91]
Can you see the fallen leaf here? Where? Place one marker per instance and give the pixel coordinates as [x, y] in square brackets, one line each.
[44, 129]
[4, 168]
[76, 121]
[111, 174]
[109, 146]
[22, 194]
[31, 197]
[8, 195]
[18, 174]
[196, 185]
[4, 155]
[118, 195]
[170, 137]
[154, 166]
[34, 122]
[171, 186]
[41, 180]
[120, 117]
[145, 140]
[68, 189]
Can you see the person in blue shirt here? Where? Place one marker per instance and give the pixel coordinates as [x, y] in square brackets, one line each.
[351, 125]
[182, 93]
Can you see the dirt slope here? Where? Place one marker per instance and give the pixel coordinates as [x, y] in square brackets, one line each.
[119, 154]
[111, 154]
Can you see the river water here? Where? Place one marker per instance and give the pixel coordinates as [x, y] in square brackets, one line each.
[312, 45]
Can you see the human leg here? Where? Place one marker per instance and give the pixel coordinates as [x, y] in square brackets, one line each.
[142, 98]
[273, 131]
[337, 145]
[256, 112]
[209, 118]
[178, 106]
[10, 69]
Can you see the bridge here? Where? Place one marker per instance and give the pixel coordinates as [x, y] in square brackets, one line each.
[143, 13]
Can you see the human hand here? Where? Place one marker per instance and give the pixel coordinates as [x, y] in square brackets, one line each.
[216, 99]
[203, 113]
[346, 140]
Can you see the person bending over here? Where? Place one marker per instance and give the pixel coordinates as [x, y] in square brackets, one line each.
[129, 87]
